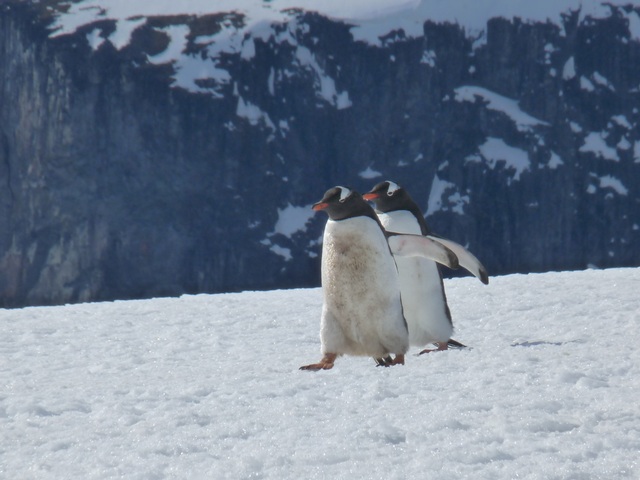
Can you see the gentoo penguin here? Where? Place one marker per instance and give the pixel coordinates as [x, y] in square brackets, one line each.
[362, 309]
[423, 296]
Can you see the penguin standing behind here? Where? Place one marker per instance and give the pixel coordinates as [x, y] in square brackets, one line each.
[362, 309]
[423, 296]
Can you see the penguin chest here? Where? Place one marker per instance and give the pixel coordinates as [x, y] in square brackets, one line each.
[360, 284]
[423, 297]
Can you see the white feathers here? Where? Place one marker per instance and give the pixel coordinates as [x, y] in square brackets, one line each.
[392, 188]
[362, 311]
[344, 193]
[465, 258]
[419, 246]
[423, 299]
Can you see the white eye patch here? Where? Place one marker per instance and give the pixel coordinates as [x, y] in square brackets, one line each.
[392, 188]
[344, 193]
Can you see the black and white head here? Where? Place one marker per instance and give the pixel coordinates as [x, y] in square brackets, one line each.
[388, 196]
[342, 202]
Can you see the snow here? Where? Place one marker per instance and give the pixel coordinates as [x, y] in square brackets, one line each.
[284, 252]
[608, 181]
[495, 150]
[634, 25]
[208, 386]
[623, 144]
[369, 20]
[121, 37]
[575, 128]
[555, 161]
[595, 143]
[499, 103]
[326, 87]
[178, 42]
[438, 189]
[622, 121]
[292, 219]
[438, 201]
[569, 69]
[602, 81]
[369, 173]
[253, 114]
[585, 84]
[429, 58]
[95, 38]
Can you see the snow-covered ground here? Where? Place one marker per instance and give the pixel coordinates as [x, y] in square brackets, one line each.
[208, 387]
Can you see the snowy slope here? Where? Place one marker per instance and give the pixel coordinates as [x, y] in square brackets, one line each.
[208, 387]
[242, 21]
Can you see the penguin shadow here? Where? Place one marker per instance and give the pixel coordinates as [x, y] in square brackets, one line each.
[542, 342]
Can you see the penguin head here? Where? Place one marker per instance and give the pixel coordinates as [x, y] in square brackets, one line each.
[343, 202]
[388, 196]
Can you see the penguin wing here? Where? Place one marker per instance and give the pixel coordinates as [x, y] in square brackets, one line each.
[405, 245]
[467, 260]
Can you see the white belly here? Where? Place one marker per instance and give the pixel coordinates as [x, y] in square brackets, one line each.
[362, 312]
[423, 298]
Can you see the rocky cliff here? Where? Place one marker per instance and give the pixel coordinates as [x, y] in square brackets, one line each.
[179, 153]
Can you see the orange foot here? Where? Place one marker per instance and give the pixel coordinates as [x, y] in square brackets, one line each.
[441, 346]
[325, 364]
[399, 360]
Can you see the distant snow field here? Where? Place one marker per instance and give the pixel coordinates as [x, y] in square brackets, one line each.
[208, 387]
[369, 20]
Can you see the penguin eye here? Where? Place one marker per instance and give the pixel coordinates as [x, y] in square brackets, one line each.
[391, 193]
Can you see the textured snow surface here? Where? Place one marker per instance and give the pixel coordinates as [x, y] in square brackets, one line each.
[208, 386]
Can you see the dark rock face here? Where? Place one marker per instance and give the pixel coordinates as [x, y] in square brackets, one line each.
[116, 184]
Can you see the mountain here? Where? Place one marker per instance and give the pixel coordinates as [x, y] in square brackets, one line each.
[160, 148]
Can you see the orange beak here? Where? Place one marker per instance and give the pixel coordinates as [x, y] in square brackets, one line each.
[320, 206]
[370, 196]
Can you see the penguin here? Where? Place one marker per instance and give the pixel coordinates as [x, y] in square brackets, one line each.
[423, 296]
[362, 308]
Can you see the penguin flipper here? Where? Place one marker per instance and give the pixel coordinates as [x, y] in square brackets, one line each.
[405, 245]
[467, 260]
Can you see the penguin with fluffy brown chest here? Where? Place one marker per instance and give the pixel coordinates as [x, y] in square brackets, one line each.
[362, 308]
[423, 296]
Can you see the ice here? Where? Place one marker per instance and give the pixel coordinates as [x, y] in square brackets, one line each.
[208, 386]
